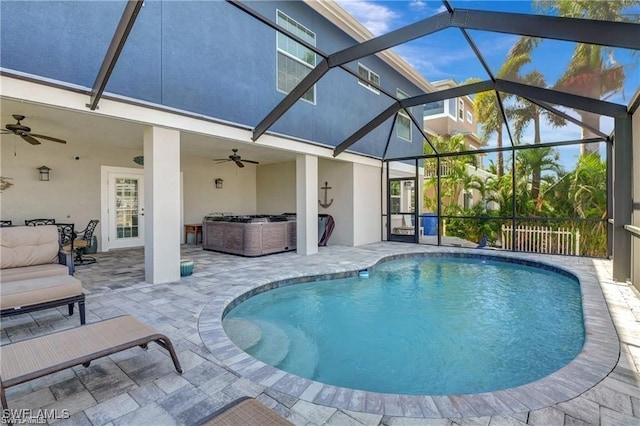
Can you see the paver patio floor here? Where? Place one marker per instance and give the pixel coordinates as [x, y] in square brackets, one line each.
[141, 387]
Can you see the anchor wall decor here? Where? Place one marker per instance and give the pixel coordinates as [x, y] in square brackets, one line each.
[326, 188]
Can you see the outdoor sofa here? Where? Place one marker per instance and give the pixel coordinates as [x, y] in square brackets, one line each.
[35, 273]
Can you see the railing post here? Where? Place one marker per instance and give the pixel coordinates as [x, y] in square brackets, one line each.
[577, 242]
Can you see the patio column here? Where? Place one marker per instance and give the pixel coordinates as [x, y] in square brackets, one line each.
[162, 205]
[307, 204]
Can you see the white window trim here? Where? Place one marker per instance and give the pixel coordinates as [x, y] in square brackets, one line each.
[287, 54]
[469, 116]
[460, 108]
[367, 84]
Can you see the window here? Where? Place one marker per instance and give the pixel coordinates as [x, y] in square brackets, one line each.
[434, 108]
[460, 109]
[452, 108]
[403, 121]
[469, 117]
[368, 77]
[294, 61]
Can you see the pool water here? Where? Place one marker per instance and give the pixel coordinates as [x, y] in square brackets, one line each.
[422, 326]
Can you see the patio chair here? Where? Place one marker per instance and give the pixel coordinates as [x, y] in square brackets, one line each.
[245, 411]
[40, 356]
[39, 222]
[4, 223]
[66, 236]
[84, 240]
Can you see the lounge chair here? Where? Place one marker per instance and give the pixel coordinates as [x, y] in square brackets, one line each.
[33, 358]
[245, 411]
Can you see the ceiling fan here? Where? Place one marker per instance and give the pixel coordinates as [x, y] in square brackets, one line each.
[235, 158]
[25, 132]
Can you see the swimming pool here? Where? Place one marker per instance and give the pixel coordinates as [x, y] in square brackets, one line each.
[427, 326]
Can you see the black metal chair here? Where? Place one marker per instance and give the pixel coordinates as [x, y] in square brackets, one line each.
[84, 240]
[38, 222]
[66, 235]
[4, 223]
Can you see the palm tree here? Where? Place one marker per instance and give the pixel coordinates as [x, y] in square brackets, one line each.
[528, 163]
[522, 112]
[592, 71]
[487, 110]
[486, 104]
[588, 187]
[454, 173]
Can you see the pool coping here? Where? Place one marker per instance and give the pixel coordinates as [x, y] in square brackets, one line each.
[596, 360]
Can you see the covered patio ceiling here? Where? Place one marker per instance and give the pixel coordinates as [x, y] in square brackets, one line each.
[99, 130]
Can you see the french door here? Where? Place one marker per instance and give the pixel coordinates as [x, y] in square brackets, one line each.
[125, 208]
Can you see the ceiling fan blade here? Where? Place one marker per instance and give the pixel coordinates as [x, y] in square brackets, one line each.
[5, 132]
[48, 138]
[250, 161]
[239, 163]
[30, 139]
[220, 160]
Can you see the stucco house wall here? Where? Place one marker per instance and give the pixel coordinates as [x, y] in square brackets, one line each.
[276, 188]
[208, 58]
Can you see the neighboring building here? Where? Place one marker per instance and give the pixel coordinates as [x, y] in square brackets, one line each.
[452, 116]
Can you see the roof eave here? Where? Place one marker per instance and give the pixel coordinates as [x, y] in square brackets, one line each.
[333, 12]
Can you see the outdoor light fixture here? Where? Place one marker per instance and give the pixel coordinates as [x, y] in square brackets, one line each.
[139, 160]
[219, 183]
[44, 172]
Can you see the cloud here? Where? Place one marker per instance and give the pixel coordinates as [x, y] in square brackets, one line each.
[418, 5]
[375, 17]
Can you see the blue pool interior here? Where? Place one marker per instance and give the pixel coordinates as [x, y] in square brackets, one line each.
[421, 326]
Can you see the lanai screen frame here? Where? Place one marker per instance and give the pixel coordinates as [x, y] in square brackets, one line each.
[604, 33]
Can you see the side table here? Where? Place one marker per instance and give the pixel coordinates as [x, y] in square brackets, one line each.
[195, 229]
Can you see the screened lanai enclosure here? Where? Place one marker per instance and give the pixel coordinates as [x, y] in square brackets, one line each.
[535, 148]
[517, 155]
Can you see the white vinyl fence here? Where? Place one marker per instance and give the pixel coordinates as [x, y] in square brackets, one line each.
[541, 239]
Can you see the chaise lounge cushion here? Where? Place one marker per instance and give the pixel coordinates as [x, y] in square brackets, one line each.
[34, 271]
[28, 245]
[38, 290]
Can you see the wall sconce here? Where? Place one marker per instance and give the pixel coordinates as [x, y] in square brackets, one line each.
[139, 160]
[44, 172]
[219, 183]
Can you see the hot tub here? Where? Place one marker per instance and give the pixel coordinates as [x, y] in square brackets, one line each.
[251, 236]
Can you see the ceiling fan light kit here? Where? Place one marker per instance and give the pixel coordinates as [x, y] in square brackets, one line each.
[235, 158]
[24, 132]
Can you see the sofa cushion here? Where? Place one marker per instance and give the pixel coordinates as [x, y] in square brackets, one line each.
[28, 245]
[38, 290]
[35, 271]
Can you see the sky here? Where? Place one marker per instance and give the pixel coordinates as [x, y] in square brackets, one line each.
[446, 54]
